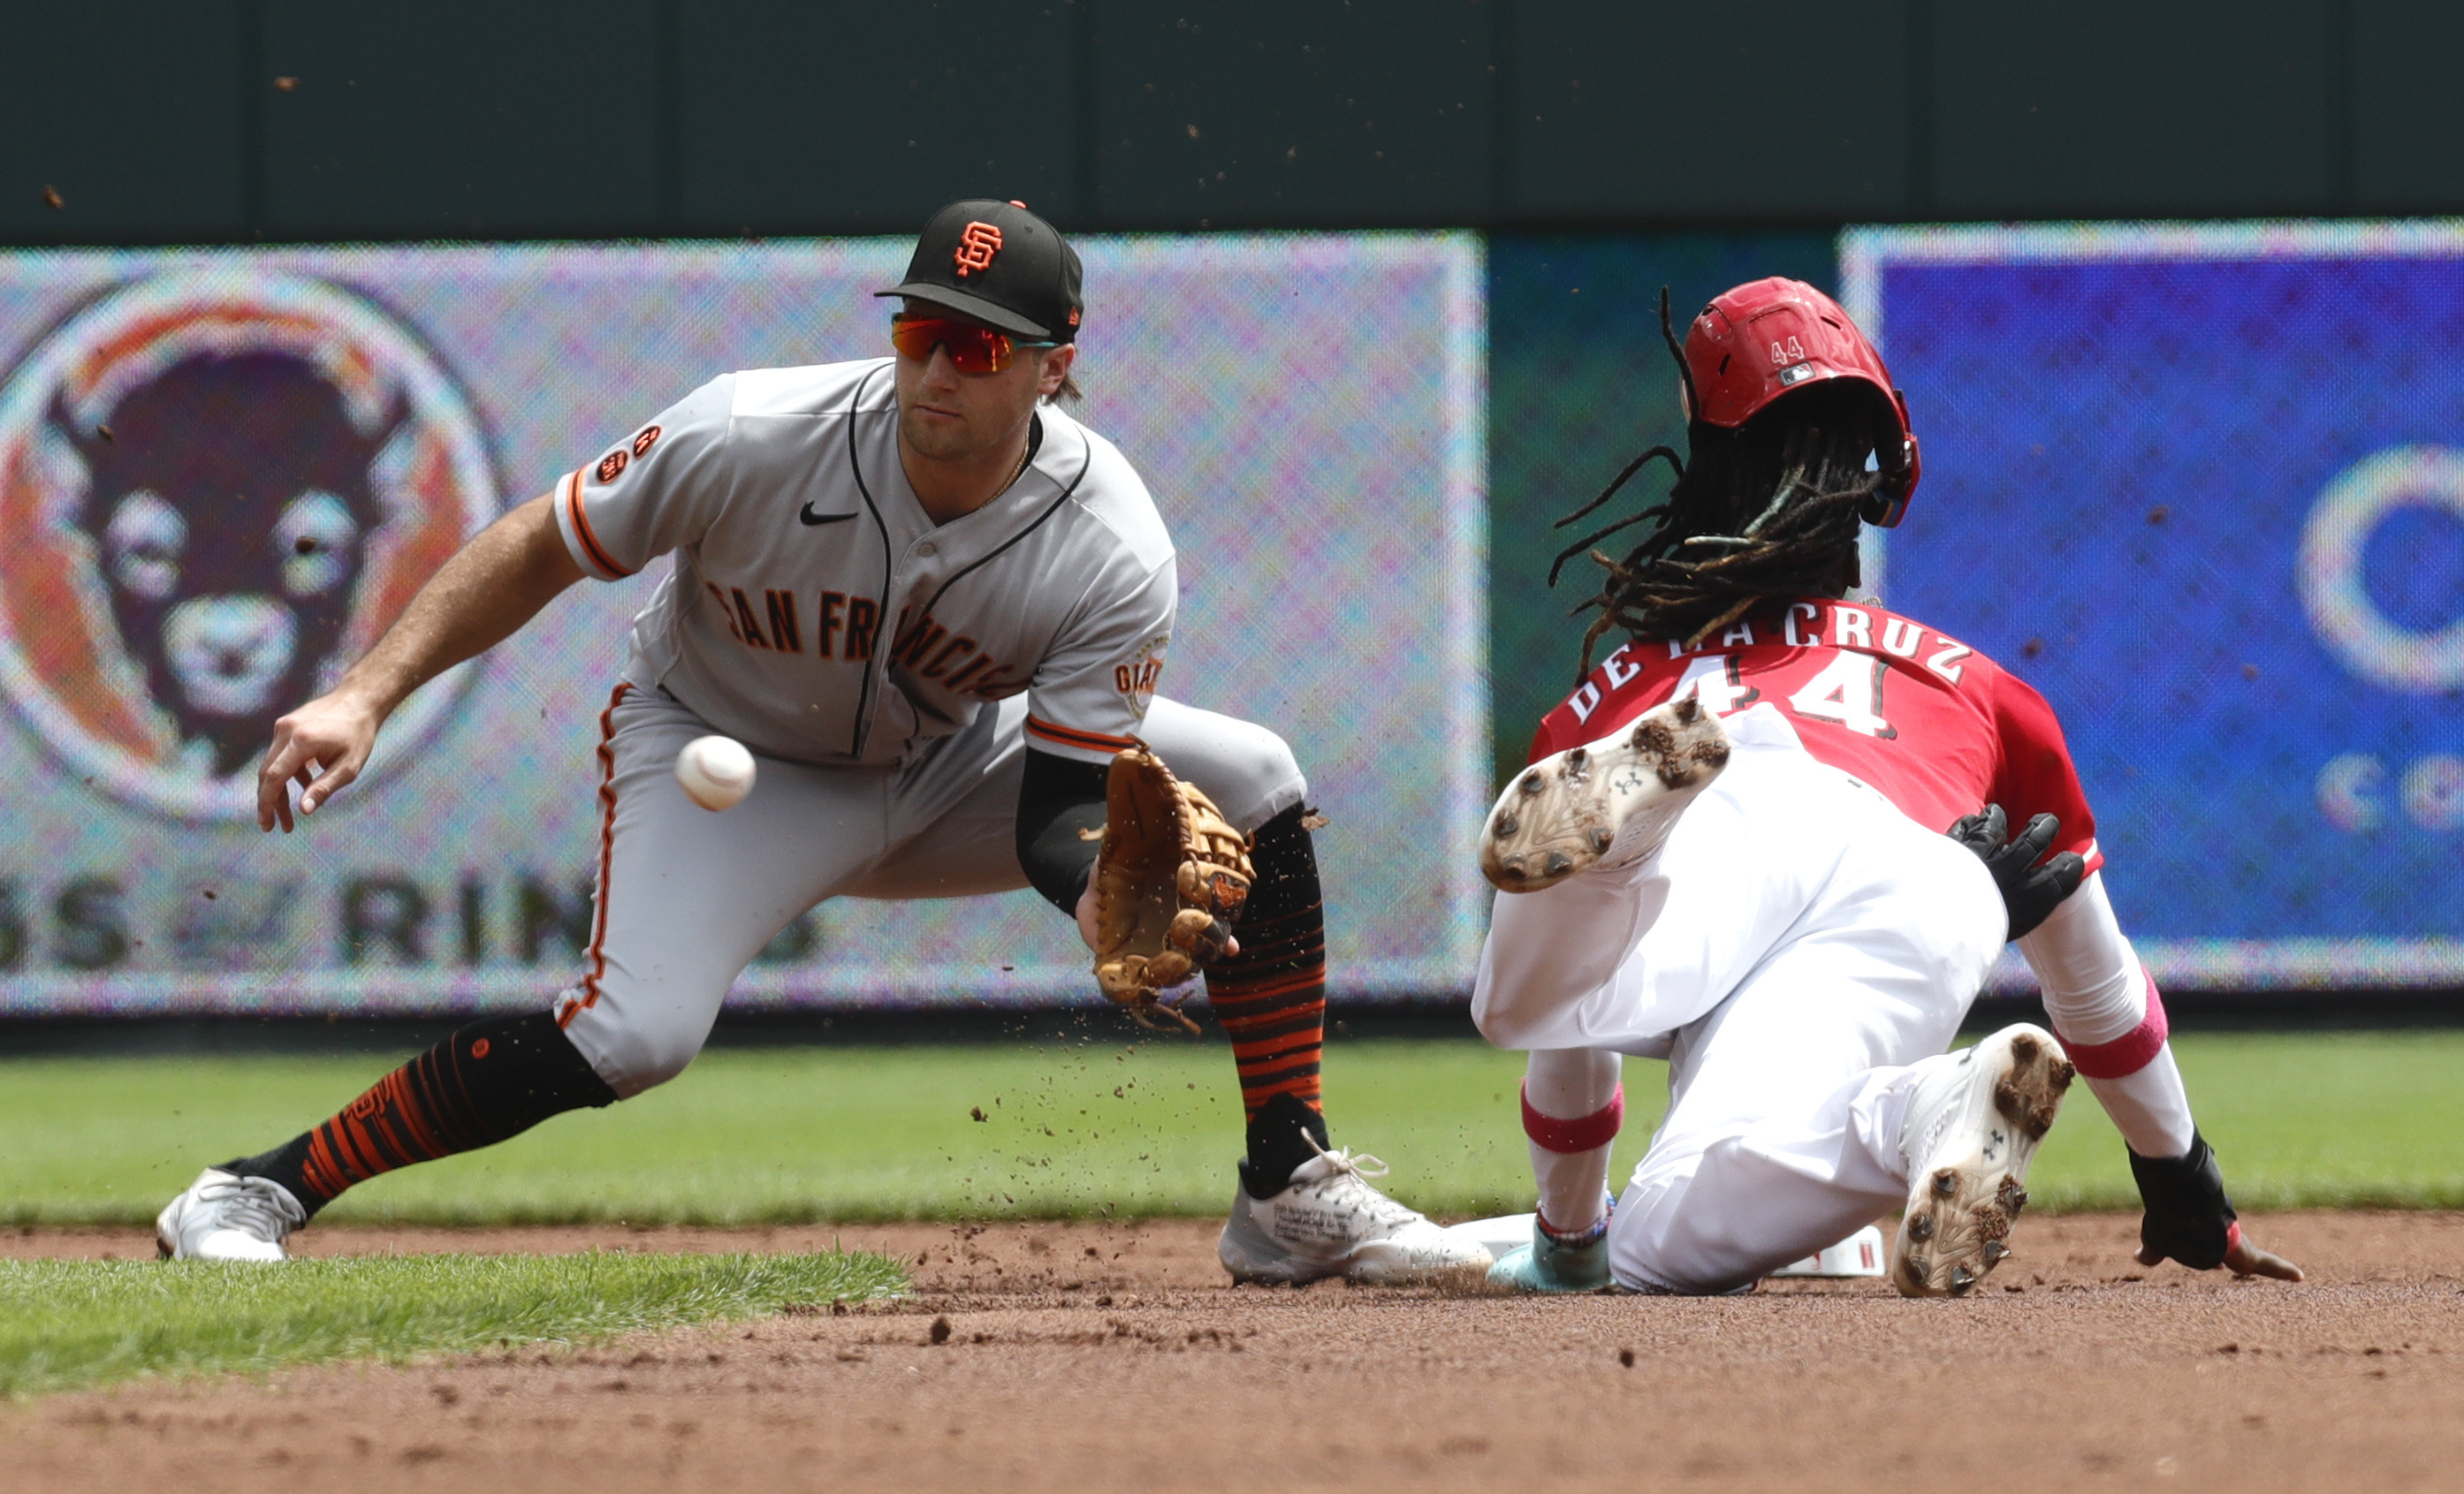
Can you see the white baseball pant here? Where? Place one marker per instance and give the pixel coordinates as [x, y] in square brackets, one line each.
[685, 898]
[1791, 948]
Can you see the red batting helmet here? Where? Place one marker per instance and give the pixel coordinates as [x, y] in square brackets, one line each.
[1761, 340]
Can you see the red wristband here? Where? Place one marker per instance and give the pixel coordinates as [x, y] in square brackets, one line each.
[2130, 1053]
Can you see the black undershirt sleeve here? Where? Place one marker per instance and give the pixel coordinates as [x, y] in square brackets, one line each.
[1058, 798]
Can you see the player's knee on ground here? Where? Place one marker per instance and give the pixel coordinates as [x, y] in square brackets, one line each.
[1705, 1219]
[1657, 1245]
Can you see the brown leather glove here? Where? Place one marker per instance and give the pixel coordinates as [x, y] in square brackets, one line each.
[1170, 880]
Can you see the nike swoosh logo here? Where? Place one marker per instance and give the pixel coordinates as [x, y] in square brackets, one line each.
[807, 515]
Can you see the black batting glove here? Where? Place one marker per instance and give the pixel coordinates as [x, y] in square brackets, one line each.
[2189, 1219]
[2030, 893]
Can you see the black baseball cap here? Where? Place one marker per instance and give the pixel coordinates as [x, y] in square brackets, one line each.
[1000, 264]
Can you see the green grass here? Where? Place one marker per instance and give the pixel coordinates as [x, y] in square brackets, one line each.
[1151, 1127]
[67, 1324]
[2311, 1120]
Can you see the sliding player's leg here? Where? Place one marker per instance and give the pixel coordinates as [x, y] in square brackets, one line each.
[1795, 1101]
[1573, 1108]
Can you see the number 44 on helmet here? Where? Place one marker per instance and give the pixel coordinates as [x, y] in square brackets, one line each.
[1765, 338]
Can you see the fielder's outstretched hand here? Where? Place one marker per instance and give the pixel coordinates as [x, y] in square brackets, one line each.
[2189, 1219]
[321, 746]
[2029, 891]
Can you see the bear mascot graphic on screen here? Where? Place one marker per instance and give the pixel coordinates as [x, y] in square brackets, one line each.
[216, 488]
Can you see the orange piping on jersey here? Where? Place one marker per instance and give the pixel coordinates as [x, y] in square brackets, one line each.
[581, 528]
[1070, 737]
[606, 858]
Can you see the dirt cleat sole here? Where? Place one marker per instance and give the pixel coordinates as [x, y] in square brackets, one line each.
[1609, 800]
[1974, 1126]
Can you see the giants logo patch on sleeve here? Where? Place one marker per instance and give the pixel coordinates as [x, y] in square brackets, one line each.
[612, 465]
[1137, 678]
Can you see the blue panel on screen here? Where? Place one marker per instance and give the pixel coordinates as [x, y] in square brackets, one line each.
[2205, 489]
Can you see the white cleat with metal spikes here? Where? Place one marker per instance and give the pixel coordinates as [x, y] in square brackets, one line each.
[1611, 800]
[1973, 1124]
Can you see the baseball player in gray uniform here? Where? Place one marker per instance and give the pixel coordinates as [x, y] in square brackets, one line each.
[934, 606]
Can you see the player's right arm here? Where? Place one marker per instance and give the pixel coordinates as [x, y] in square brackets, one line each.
[656, 490]
[490, 588]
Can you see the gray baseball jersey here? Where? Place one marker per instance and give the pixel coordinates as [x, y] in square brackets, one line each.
[816, 613]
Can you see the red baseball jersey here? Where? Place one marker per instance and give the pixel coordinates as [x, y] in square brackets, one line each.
[1938, 728]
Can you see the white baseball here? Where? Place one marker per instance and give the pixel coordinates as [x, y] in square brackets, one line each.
[715, 772]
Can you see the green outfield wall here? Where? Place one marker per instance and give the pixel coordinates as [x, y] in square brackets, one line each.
[157, 122]
[1580, 380]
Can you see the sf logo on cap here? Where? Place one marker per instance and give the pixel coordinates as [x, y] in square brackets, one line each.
[976, 247]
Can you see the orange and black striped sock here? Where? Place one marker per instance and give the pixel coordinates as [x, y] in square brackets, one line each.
[1271, 1000]
[490, 1081]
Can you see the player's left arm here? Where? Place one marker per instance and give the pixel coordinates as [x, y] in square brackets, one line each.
[2105, 1008]
[1060, 808]
[1087, 700]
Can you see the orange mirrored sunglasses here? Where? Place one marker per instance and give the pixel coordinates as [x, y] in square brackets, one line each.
[974, 348]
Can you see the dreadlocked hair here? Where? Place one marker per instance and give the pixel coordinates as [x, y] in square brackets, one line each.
[1768, 510]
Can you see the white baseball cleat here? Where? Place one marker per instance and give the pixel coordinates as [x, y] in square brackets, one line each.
[1609, 800]
[1330, 1221]
[224, 1216]
[1972, 1127]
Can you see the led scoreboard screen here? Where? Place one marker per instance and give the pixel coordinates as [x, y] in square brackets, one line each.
[2204, 488]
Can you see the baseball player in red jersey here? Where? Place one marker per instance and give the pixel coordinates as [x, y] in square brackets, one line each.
[1729, 851]
[934, 607]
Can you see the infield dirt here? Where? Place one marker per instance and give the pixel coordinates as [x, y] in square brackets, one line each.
[1098, 1357]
